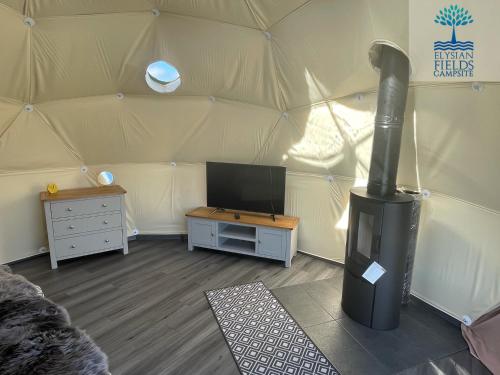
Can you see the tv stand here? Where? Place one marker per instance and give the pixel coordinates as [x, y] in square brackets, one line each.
[252, 234]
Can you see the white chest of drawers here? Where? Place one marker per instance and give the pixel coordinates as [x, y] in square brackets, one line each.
[85, 221]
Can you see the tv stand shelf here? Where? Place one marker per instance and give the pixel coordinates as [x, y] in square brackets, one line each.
[252, 234]
[230, 244]
[239, 232]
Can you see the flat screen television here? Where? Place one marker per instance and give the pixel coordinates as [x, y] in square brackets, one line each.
[246, 187]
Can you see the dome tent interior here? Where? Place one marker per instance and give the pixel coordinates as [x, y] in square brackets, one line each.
[282, 83]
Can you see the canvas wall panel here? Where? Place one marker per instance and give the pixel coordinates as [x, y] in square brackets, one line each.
[457, 134]
[288, 145]
[17, 5]
[409, 163]
[329, 138]
[14, 44]
[267, 13]
[229, 11]
[231, 132]
[87, 56]
[390, 19]
[457, 260]
[135, 129]
[145, 129]
[226, 61]
[29, 143]
[320, 138]
[330, 60]
[111, 52]
[321, 206]
[47, 8]
[10, 110]
[354, 117]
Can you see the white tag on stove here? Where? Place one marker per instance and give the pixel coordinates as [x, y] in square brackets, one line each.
[374, 272]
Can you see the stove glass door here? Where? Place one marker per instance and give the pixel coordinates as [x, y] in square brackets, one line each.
[363, 246]
[365, 234]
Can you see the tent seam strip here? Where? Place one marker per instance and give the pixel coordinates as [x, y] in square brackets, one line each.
[316, 150]
[276, 73]
[154, 95]
[287, 109]
[341, 131]
[68, 147]
[254, 16]
[289, 14]
[373, 90]
[11, 124]
[144, 32]
[30, 57]
[274, 63]
[147, 12]
[267, 140]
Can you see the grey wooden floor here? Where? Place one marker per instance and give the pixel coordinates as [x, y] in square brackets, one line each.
[147, 310]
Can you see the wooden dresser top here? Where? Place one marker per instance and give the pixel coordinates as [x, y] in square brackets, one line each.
[282, 222]
[80, 193]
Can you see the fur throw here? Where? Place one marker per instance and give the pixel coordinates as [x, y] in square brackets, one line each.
[36, 337]
[16, 286]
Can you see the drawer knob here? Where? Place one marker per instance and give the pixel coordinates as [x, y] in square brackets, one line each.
[107, 241]
[69, 209]
[73, 246]
[106, 222]
[212, 234]
[71, 227]
[104, 205]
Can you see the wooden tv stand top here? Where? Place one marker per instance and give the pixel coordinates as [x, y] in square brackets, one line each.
[282, 222]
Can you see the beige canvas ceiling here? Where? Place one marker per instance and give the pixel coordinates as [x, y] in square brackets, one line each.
[283, 82]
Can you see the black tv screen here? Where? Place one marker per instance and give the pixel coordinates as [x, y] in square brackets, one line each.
[246, 187]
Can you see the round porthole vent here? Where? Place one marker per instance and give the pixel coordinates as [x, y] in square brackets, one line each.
[163, 77]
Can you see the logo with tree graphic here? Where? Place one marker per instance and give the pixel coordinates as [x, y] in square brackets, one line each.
[454, 58]
[454, 16]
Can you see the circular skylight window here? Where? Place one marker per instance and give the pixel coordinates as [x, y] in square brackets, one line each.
[163, 77]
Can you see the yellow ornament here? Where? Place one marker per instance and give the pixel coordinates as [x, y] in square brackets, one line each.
[52, 188]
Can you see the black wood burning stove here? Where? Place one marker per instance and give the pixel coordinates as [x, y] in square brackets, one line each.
[378, 232]
[380, 216]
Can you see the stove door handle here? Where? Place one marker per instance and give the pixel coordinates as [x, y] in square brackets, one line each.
[376, 247]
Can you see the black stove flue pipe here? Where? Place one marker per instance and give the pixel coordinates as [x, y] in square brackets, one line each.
[393, 90]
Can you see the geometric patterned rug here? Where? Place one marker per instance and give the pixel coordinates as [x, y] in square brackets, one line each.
[262, 336]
